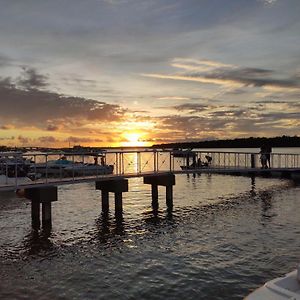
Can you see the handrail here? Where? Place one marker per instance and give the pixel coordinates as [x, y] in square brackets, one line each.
[47, 167]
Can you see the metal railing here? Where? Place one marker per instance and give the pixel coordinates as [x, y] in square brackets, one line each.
[19, 170]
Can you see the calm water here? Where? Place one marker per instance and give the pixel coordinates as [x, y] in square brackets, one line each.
[226, 236]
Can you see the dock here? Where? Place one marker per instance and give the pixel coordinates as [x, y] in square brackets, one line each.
[110, 171]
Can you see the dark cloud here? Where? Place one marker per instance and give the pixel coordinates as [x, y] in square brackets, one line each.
[24, 140]
[271, 102]
[238, 122]
[7, 138]
[52, 127]
[33, 107]
[30, 79]
[6, 127]
[47, 140]
[74, 139]
[280, 116]
[249, 77]
[288, 104]
[229, 113]
[193, 107]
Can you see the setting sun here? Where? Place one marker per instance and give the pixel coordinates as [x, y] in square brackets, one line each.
[133, 139]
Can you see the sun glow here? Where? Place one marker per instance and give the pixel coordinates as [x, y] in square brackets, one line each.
[134, 139]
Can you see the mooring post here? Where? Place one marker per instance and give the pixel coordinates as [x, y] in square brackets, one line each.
[252, 161]
[45, 195]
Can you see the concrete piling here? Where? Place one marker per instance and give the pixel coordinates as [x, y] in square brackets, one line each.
[46, 215]
[41, 195]
[117, 186]
[35, 215]
[105, 200]
[154, 193]
[169, 196]
[167, 180]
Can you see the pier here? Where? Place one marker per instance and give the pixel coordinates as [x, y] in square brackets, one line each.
[37, 175]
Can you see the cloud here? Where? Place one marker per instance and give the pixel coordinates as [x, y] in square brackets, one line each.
[52, 127]
[48, 110]
[5, 61]
[269, 2]
[78, 140]
[193, 107]
[24, 140]
[6, 127]
[210, 72]
[7, 138]
[47, 140]
[30, 79]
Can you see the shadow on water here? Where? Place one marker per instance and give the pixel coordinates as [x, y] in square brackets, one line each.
[266, 205]
[111, 229]
[39, 243]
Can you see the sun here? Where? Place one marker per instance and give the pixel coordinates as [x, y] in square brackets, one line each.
[133, 139]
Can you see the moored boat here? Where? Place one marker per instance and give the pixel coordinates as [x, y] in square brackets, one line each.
[183, 153]
[88, 169]
[66, 168]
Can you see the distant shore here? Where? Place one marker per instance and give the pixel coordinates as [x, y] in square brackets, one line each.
[283, 141]
[252, 142]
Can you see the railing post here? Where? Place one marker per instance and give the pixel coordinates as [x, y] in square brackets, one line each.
[253, 161]
[139, 162]
[117, 163]
[46, 168]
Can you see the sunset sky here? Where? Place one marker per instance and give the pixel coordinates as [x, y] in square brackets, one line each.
[140, 72]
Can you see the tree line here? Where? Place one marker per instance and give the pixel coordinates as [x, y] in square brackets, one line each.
[251, 142]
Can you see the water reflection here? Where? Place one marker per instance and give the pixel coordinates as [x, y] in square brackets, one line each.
[119, 224]
[266, 205]
[109, 227]
[38, 243]
[253, 190]
[103, 227]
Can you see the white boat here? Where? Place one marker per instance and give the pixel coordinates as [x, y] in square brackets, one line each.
[282, 288]
[51, 168]
[67, 168]
[88, 169]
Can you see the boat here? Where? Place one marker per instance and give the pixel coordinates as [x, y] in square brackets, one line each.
[183, 153]
[193, 167]
[67, 168]
[13, 164]
[286, 287]
[88, 170]
[198, 164]
[51, 167]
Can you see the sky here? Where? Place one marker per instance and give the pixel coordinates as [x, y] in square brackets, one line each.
[142, 72]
